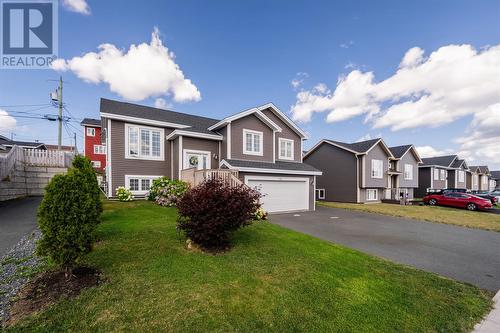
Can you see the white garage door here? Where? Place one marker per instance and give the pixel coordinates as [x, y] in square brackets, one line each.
[281, 194]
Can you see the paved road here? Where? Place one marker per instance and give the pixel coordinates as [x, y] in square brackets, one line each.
[468, 255]
[17, 219]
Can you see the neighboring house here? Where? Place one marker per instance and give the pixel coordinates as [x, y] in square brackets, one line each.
[93, 146]
[441, 172]
[363, 172]
[8, 144]
[495, 176]
[260, 146]
[473, 178]
[69, 149]
[483, 178]
[403, 171]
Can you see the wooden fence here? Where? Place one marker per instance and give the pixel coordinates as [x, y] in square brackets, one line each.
[8, 161]
[48, 158]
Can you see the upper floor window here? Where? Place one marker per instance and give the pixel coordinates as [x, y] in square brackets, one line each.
[408, 174]
[442, 174]
[252, 142]
[99, 149]
[461, 176]
[286, 149]
[90, 131]
[377, 168]
[143, 142]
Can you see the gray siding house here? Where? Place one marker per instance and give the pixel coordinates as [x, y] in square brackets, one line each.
[495, 179]
[261, 147]
[362, 172]
[481, 177]
[442, 172]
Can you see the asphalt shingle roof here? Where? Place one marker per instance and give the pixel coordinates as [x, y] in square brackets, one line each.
[444, 161]
[482, 168]
[359, 147]
[399, 151]
[8, 142]
[457, 163]
[278, 165]
[197, 123]
[91, 121]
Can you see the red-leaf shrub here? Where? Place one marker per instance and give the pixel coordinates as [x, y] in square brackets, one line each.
[211, 211]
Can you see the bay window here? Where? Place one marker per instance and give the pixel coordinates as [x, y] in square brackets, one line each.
[143, 142]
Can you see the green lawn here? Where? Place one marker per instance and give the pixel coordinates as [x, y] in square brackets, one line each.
[273, 280]
[461, 217]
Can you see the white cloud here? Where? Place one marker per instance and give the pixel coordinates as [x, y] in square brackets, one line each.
[429, 151]
[145, 70]
[7, 122]
[481, 144]
[299, 79]
[161, 103]
[77, 6]
[454, 81]
[347, 44]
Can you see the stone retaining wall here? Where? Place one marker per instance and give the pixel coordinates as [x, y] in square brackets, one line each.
[27, 180]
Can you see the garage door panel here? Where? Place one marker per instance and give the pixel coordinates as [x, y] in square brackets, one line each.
[283, 194]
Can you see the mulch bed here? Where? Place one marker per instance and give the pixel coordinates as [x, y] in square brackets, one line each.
[48, 288]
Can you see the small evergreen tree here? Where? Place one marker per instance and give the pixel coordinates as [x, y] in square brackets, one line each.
[69, 214]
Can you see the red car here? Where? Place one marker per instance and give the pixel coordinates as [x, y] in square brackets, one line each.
[459, 200]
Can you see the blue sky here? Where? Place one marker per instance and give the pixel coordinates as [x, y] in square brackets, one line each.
[241, 54]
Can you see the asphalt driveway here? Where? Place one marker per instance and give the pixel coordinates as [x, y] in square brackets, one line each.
[17, 219]
[468, 255]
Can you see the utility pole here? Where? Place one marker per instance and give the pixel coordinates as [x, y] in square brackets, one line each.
[60, 99]
[74, 136]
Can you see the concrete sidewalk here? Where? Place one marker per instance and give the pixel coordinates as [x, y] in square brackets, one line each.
[491, 324]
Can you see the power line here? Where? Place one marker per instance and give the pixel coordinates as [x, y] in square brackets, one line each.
[23, 105]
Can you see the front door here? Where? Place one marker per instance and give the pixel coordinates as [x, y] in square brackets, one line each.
[196, 159]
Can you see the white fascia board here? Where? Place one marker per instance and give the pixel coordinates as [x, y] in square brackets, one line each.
[333, 144]
[279, 171]
[142, 120]
[237, 116]
[177, 133]
[284, 118]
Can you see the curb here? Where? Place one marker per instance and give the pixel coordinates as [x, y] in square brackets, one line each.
[490, 324]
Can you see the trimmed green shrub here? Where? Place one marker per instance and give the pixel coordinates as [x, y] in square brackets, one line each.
[124, 194]
[68, 215]
[211, 211]
[167, 192]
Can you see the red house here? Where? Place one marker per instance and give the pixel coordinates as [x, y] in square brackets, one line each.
[93, 148]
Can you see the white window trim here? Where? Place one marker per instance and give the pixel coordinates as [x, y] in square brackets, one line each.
[442, 174]
[461, 176]
[185, 162]
[261, 142]
[435, 174]
[101, 150]
[140, 177]
[281, 157]
[371, 190]
[381, 169]
[92, 131]
[96, 164]
[139, 157]
[409, 173]
[320, 196]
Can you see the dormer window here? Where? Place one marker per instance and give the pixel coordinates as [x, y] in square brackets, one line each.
[252, 142]
[285, 149]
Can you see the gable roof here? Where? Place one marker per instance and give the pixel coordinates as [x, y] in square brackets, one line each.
[257, 111]
[399, 151]
[481, 168]
[91, 122]
[358, 148]
[444, 161]
[135, 112]
[458, 163]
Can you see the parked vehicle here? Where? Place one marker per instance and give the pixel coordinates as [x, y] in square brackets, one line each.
[443, 190]
[459, 200]
[496, 194]
[486, 195]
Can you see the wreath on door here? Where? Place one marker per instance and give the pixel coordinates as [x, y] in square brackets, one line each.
[193, 160]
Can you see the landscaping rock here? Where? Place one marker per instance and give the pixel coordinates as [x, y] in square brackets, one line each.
[16, 268]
